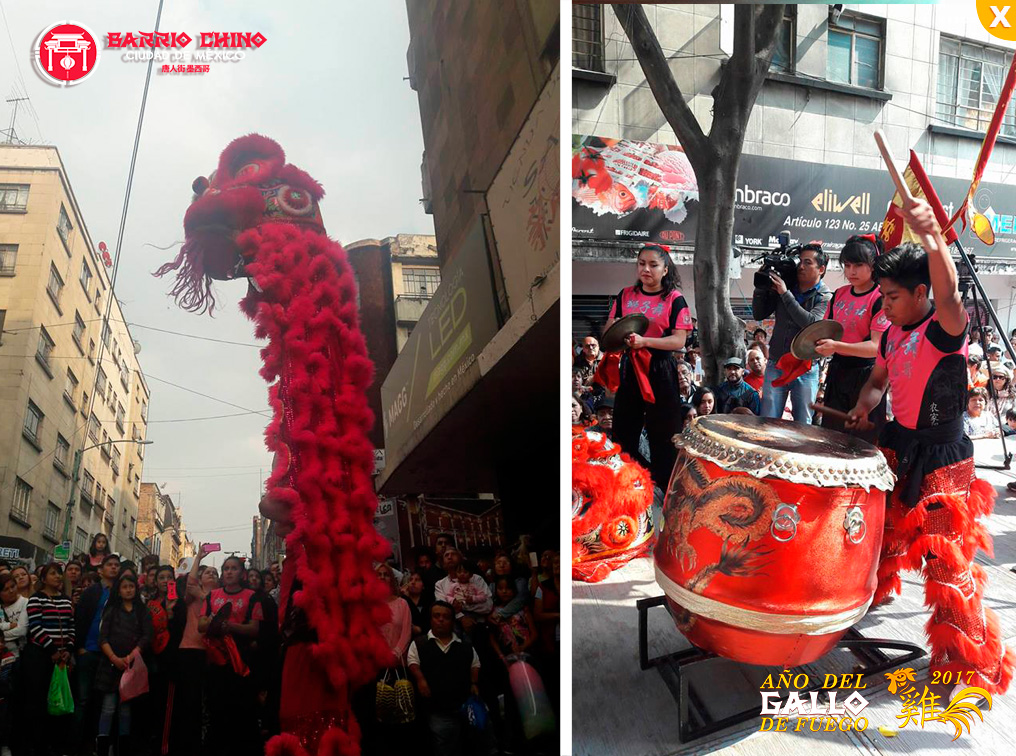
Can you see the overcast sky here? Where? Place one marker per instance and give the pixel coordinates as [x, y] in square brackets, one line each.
[328, 86]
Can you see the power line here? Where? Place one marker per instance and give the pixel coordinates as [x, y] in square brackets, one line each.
[212, 467]
[207, 396]
[193, 336]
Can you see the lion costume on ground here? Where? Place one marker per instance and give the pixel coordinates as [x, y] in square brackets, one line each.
[612, 507]
[257, 217]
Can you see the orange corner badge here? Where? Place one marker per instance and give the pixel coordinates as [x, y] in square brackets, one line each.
[998, 19]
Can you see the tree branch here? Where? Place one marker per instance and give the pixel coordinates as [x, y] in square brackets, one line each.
[661, 81]
[766, 27]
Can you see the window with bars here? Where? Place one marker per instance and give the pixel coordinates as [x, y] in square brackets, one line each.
[420, 282]
[63, 450]
[100, 494]
[80, 541]
[13, 198]
[91, 351]
[856, 50]
[970, 78]
[52, 521]
[587, 37]
[116, 460]
[33, 422]
[63, 226]
[71, 386]
[93, 428]
[104, 449]
[45, 347]
[120, 417]
[86, 278]
[55, 286]
[87, 486]
[100, 384]
[8, 259]
[79, 329]
[22, 500]
[84, 403]
[106, 332]
[124, 376]
[785, 54]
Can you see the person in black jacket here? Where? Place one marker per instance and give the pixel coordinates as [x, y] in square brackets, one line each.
[87, 616]
[446, 670]
[796, 304]
[125, 633]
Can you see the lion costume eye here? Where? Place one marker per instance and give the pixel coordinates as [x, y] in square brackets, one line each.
[248, 171]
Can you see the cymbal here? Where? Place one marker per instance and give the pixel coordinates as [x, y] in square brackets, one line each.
[803, 345]
[614, 338]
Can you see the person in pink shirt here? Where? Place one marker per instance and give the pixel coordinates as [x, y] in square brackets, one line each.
[654, 371]
[858, 308]
[932, 521]
[191, 658]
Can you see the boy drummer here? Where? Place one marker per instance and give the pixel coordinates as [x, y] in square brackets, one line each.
[932, 519]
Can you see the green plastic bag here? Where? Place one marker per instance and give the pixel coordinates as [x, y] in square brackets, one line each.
[61, 701]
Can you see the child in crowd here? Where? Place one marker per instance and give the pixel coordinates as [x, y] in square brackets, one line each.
[515, 633]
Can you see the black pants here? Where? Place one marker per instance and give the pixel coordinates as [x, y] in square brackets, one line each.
[233, 727]
[632, 412]
[843, 385]
[47, 733]
[189, 679]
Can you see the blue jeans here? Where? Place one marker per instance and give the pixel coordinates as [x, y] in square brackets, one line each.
[111, 704]
[802, 392]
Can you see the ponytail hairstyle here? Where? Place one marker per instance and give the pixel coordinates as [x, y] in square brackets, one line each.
[669, 282]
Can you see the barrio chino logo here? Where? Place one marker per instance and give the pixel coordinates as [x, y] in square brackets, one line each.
[999, 20]
[66, 53]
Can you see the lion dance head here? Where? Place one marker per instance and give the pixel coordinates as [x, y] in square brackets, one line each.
[612, 507]
[251, 186]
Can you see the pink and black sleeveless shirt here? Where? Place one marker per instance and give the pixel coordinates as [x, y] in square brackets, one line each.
[666, 313]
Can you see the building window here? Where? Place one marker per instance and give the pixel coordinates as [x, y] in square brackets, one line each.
[970, 78]
[71, 387]
[124, 376]
[855, 50]
[120, 416]
[79, 329]
[106, 332]
[87, 486]
[13, 198]
[84, 404]
[785, 54]
[104, 449]
[144, 411]
[3, 317]
[33, 422]
[587, 37]
[86, 277]
[91, 351]
[8, 259]
[93, 428]
[100, 384]
[116, 460]
[100, 494]
[63, 449]
[80, 541]
[55, 285]
[22, 500]
[420, 282]
[134, 527]
[52, 521]
[45, 348]
[63, 226]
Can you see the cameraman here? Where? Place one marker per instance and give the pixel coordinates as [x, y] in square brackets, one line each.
[805, 302]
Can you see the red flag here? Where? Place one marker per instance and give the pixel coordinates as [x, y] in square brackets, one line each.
[894, 231]
[989, 143]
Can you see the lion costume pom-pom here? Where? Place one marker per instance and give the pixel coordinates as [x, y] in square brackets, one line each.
[612, 507]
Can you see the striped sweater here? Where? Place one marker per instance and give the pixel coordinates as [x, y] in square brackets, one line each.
[50, 621]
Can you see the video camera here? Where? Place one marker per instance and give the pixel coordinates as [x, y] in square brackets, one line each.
[782, 260]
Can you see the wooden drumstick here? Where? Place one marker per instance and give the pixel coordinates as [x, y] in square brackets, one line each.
[897, 177]
[836, 414]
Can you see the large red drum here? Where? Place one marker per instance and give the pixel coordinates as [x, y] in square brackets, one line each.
[770, 537]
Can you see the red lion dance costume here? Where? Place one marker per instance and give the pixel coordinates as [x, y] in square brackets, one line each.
[612, 507]
[258, 217]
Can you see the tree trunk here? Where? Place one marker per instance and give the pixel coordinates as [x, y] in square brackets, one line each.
[723, 334]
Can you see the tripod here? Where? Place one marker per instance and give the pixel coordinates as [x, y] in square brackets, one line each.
[970, 284]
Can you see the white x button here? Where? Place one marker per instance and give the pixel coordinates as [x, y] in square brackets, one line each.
[1000, 18]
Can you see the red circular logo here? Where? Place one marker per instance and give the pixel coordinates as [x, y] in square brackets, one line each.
[66, 53]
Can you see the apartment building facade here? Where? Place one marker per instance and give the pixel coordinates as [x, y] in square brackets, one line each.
[71, 388]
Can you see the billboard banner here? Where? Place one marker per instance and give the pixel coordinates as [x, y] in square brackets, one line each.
[625, 190]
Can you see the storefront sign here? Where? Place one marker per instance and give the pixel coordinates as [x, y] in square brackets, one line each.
[638, 191]
[438, 364]
[386, 523]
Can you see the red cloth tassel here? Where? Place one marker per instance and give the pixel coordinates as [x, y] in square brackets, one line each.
[792, 368]
[640, 359]
[608, 372]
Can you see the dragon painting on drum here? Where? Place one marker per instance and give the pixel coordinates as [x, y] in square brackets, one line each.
[258, 218]
[612, 176]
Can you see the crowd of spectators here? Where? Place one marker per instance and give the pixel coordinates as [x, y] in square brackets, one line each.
[459, 622]
[99, 616]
